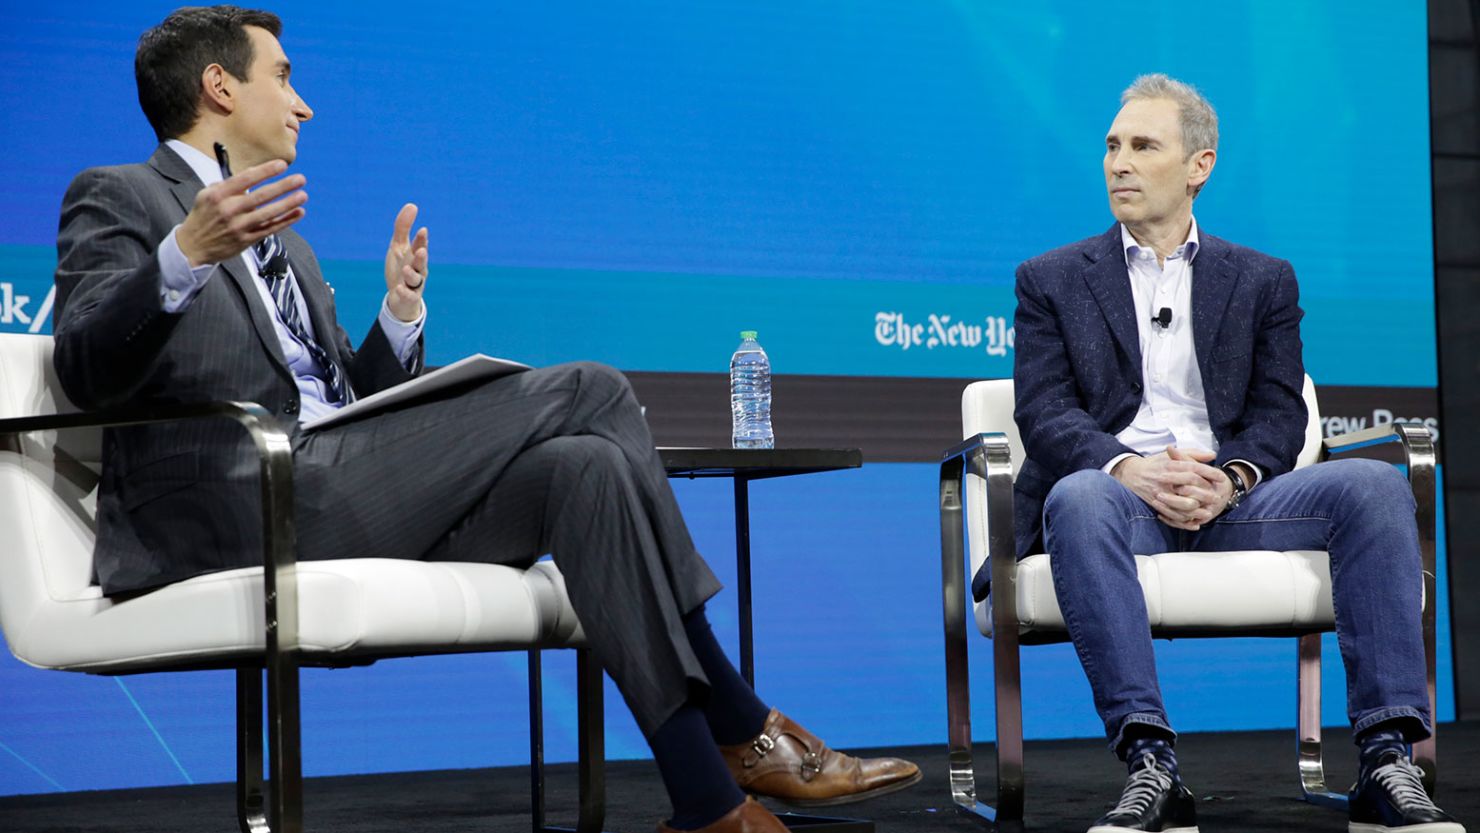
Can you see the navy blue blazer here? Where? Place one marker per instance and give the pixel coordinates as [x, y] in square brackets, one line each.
[1077, 370]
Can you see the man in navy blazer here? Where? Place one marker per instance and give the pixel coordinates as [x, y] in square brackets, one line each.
[1158, 381]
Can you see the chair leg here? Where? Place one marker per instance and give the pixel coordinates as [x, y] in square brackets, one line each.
[591, 721]
[958, 677]
[536, 743]
[284, 745]
[275, 806]
[1418, 443]
[251, 807]
[1008, 815]
[1007, 676]
[591, 754]
[1425, 752]
[1308, 729]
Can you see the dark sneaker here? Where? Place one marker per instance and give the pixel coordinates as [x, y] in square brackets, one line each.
[1152, 801]
[1389, 798]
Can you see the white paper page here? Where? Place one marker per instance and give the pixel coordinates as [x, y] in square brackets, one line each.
[473, 368]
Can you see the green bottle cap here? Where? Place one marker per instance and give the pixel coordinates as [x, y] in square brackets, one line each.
[747, 334]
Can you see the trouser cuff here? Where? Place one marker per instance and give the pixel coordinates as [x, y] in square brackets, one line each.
[1413, 723]
[1133, 722]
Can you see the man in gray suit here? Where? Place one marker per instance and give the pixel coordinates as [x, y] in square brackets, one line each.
[179, 282]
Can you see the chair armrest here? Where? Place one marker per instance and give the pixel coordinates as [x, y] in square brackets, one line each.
[1417, 440]
[275, 453]
[970, 448]
[989, 456]
[1420, 458]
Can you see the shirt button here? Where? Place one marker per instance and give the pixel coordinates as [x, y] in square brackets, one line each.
[174, 294]
[1156, 378]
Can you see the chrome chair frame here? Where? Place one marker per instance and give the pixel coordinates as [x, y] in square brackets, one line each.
[989, 456]
[276, 806]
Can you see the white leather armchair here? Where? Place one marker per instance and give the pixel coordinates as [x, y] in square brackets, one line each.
[273, 619]
[1284, 594]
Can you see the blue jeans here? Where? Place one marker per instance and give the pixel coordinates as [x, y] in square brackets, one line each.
[1360, 511]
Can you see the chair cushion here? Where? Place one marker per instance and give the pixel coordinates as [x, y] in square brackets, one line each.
[54, 617]
[355, 608]
[1241, 591]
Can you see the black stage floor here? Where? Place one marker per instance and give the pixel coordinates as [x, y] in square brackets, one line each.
[1245, 781]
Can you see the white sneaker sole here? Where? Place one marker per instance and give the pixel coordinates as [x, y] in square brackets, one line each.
[1111, 828]
[1431, 827]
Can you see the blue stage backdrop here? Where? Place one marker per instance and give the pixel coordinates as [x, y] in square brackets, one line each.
[636, 182]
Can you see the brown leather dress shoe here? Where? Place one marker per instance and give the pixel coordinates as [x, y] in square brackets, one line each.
[790, 764]
[749, 817]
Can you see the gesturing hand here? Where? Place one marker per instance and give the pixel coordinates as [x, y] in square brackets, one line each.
[406, 266]
[226, 217]
[1179, 484]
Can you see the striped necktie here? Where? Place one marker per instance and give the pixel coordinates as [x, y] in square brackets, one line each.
[272, 265]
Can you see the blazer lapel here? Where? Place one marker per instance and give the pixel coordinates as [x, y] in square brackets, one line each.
[1213, 282]
[245, 284]
[184, 186]
[1110, 283]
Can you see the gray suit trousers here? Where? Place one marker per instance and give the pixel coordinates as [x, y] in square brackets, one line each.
[555, 460]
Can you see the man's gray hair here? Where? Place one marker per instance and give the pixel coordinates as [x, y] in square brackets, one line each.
[1199, 122]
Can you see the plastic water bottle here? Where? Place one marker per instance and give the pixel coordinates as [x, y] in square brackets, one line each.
[750, 394]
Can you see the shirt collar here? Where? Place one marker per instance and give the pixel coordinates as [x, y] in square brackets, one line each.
[206, 169]
[1188, 250]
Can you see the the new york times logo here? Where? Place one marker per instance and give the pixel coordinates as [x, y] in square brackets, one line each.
[995, 334]
[17, 313]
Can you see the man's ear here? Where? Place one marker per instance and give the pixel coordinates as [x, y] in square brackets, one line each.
[216, 91]
[1199, 168]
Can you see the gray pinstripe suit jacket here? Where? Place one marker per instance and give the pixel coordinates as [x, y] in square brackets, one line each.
[177, 500]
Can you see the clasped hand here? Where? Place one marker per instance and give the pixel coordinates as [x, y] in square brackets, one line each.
[1179, 484]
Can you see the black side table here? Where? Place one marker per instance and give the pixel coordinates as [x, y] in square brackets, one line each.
[744, 465]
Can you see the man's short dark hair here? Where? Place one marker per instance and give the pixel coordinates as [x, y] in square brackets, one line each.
[173, 55]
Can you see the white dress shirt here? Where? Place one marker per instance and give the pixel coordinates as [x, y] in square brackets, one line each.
[180, 283]
[1174, 409]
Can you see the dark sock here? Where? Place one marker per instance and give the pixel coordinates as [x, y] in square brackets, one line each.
[1376, 742]
[1159, 748]
[694, 773]
[734, 712]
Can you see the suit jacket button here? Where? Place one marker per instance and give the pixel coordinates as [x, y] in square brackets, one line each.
[290, 407]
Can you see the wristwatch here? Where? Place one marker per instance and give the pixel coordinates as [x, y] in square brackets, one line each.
[1240, 488]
